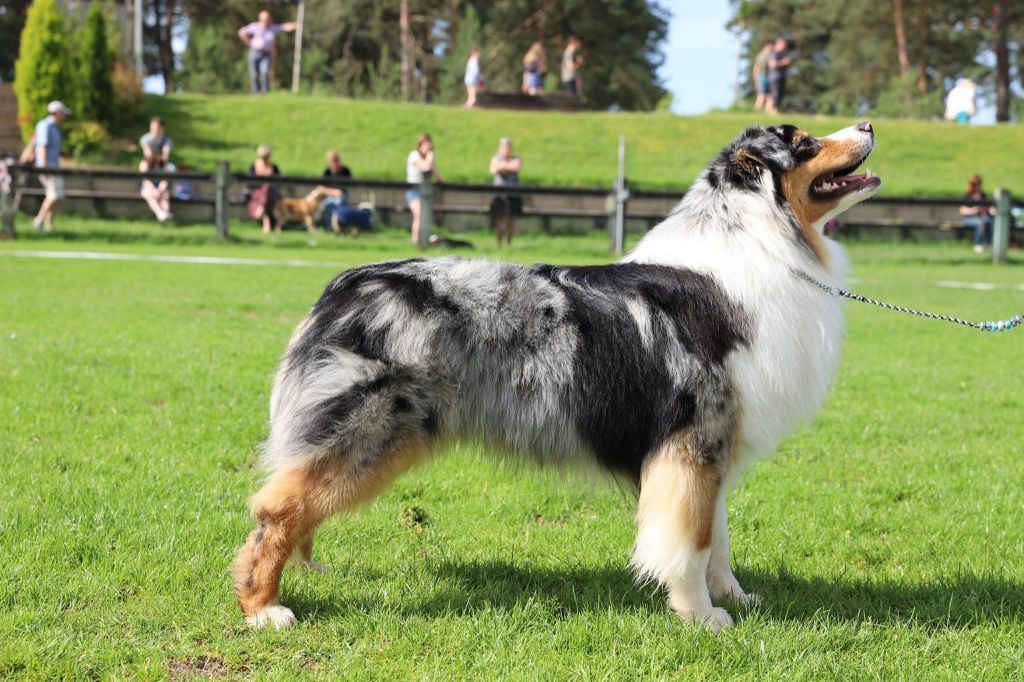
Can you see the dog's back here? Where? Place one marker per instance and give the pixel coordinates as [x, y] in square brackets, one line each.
[409, 351]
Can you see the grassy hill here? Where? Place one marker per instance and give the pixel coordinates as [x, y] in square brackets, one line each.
[915, 158]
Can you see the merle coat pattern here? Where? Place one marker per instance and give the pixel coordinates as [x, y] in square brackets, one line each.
[669, 370]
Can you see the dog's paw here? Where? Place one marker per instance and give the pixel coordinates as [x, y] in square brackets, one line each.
[748, 599]
[279, 616]
[727, 588]
[715, 620]
[315, 566]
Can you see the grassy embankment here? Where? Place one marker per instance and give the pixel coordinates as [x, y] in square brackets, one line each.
[915, 158]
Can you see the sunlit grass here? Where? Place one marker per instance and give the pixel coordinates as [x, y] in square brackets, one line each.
[886, 539]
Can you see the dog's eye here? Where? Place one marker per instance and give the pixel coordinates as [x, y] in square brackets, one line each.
[804, 143]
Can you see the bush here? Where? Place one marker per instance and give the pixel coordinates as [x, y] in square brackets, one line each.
[85, 139]
[96, 101]
[43, 71]
[129, 98]
[901, 99]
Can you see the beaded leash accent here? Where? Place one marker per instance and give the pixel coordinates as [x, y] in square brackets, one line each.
[1001, 325]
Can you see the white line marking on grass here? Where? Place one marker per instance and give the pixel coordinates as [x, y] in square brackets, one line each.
[299, 263]
[198, 260]
[980, 286]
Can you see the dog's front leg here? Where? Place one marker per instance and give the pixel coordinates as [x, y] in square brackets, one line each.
[676, 514]
[721, 581]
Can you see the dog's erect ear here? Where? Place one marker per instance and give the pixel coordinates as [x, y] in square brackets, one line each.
[763, 148]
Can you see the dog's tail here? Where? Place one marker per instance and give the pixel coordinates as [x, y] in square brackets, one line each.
[346, 405]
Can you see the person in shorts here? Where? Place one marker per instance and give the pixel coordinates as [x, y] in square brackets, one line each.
[505, 167]
[155, 145]
[473, 79]
[47, 142]
[419, 162]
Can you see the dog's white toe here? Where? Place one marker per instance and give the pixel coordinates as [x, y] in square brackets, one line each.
[715, 620]
[315, 566]
[280, 617]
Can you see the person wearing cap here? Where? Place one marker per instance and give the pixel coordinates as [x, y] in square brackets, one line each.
[259, 37]
[47, 142]
[505, 167]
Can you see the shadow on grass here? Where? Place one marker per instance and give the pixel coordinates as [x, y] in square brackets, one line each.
[464, 588]
[953, 601]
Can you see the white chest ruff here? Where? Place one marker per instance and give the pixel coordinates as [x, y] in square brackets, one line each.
[784, 372]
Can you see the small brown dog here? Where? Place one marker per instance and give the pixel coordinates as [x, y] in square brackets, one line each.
[295, 210]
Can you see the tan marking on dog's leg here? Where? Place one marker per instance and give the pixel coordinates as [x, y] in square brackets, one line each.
[675, 519]
[289, 508]
[303, 555]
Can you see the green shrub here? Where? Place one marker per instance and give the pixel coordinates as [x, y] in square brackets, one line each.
[129, 98]
[43, 71]
[86, 139]
[96, 100]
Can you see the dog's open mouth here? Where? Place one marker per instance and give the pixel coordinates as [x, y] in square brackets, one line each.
[840, 182]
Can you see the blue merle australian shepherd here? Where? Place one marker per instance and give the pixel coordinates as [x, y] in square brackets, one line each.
[672, 369]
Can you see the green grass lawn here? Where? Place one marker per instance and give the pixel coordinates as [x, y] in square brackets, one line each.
[917, 158]
[886, 540]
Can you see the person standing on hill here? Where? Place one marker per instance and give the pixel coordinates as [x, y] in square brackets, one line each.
[778, 67]
[473, 79]
[760, 73]
[47, 143]
[572, 61]
[259, 38]
[535, 65]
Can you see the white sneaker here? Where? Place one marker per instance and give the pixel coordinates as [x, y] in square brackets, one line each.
[978, 248]
[37, 223]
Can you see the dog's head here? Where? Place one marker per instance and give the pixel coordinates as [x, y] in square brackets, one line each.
[809, 176]
[315, 197]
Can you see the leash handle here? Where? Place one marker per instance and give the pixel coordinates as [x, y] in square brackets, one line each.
[996, 326]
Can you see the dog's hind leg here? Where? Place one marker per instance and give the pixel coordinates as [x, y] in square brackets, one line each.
[289, 508]
[679, 489]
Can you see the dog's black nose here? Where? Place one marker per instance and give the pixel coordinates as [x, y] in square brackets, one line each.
[865, 127]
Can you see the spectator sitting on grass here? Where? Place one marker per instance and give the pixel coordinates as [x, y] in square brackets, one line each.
[156, 146]
[336, 197]
[260, 205]
[978, 217]
[157, 194]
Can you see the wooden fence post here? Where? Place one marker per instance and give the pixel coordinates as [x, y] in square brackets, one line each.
[621, 196]
[220, 208]
[8, 181]
[426, 210]
[1001, 226]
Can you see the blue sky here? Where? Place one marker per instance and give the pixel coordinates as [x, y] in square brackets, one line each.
[700, 56]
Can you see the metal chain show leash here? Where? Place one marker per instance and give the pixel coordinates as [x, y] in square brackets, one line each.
[1001, 325]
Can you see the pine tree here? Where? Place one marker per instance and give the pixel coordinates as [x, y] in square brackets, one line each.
[96, 100]
[43, 71]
